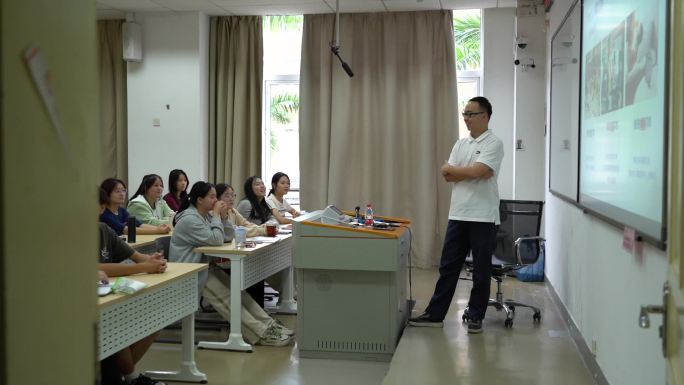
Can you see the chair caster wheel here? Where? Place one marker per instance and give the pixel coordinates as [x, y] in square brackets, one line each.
[536, 317]
[466, 316]
[508, 323]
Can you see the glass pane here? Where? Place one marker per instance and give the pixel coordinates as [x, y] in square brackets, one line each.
[467, 89]
[284, 132]
[467, 38]
[282, 45]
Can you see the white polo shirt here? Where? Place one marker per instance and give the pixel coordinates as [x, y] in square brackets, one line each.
[476, 200]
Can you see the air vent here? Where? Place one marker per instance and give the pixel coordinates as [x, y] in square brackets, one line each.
[352, 346]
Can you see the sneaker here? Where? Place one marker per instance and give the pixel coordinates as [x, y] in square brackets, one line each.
[144, 380]
[285, 330]
[425, 320]
[274, 337]
[474, 326]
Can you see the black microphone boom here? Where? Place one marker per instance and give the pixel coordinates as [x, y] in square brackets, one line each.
[335, 45]
[345, 66]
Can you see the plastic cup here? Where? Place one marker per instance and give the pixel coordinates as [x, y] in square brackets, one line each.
[240, 236]
[271, 229]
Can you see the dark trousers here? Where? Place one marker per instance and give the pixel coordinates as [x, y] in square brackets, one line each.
[461, 238]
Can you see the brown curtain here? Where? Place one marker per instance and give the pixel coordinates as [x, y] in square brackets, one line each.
[381, 136]
[235, 84]
[113, 111]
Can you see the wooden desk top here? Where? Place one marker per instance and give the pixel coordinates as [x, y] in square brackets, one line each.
[173, 272]
[145, 239]
[229, 248]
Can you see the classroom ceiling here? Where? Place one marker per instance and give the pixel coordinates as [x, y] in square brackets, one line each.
[118, 8]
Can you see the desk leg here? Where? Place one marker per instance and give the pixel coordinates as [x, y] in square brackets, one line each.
[235, 341]
[288, 305]
[188, 371]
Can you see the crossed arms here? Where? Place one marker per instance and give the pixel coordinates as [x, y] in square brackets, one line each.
[453, 173]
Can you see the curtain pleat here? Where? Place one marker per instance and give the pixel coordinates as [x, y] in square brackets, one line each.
[113, 101]
[381, 136]
[235, 97]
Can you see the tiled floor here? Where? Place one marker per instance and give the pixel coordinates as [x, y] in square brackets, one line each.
[525, 354]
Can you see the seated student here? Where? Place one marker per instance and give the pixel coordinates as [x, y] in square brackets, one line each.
[226, 193]
[280, 185]
[178, 185]
[253, 206]
[147, 205]
[114, 250]
[116, 216]
[201, 222]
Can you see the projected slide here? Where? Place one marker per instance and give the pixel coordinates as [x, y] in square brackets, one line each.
[622, 135]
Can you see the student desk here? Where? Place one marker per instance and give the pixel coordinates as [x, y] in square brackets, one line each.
[168, 297]
[247, 267]
[146, 243]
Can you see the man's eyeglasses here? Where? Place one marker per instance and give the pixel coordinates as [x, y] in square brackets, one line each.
[471, 114]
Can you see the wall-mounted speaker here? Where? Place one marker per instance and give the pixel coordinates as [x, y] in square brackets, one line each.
[132, 41]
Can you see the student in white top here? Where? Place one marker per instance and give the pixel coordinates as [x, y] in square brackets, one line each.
[280, 185]
[473, 215]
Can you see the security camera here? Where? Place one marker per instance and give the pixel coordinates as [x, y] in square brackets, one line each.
[521, 42]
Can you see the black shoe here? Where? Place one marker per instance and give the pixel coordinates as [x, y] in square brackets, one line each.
[425, 320]
[474, 326]
[144, 380]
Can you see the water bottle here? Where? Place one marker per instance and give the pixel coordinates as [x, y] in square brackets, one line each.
[369, 215]
[131, 229]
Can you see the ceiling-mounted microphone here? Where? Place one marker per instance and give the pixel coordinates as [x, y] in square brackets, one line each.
[335, 45]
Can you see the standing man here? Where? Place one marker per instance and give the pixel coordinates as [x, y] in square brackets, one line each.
[473, 215]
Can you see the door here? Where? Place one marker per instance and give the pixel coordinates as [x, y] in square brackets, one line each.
[674, 343]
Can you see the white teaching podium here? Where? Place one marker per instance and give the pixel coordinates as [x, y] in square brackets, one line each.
[352, 301]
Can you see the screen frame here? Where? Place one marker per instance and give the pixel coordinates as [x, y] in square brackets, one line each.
[659, 241]
[576, 6]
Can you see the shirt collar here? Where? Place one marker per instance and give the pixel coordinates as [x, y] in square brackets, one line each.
[479, 138]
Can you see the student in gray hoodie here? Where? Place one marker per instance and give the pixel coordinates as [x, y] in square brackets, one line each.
[203, 221]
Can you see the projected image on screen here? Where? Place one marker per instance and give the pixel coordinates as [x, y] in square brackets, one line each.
[622, 133]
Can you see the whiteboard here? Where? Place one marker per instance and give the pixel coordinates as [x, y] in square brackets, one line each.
[565, 105]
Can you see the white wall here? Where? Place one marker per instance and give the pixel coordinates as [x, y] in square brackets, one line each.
[498, 29]
[174, 73]
[601, 285]
[530, 84]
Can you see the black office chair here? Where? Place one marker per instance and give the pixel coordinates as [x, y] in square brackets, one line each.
[518, 244]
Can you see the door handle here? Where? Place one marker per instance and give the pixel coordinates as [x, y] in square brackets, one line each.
[645, 321]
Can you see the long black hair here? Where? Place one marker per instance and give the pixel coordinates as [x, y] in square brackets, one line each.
[174, 175]
[260, 209]
[147, 182]
[221, 188]
[275, 180]
[199, 190]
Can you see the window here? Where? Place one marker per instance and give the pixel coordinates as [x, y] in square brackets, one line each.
[467, 38]
[280, 147]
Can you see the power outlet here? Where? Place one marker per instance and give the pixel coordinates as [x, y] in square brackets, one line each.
[594, 347]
